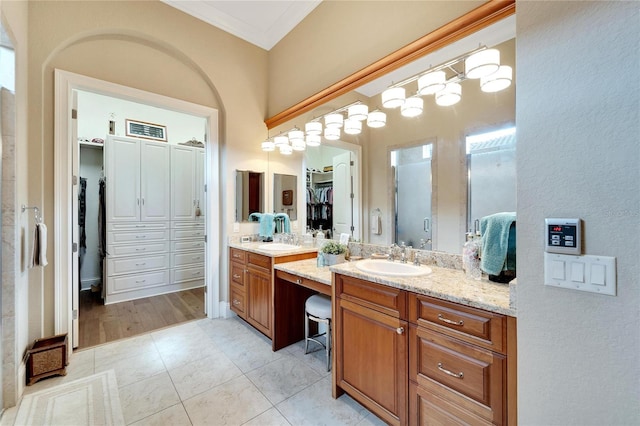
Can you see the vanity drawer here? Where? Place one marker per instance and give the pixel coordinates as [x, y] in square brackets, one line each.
[385, 299]
[118, 250]
[187, 245]
[181, 234]
[237, 255]
[259, 260]
[125, 283]
[427, 409]
[187, 274]
[472, 325]
[187, 258]
[124, 237]
[467, 376]
[127, 265]
[237, 274]
[136, 226]
[237, 300]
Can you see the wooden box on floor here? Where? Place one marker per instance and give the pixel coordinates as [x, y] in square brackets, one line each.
[47, 357]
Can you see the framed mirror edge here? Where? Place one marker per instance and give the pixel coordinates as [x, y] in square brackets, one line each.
[475, 20]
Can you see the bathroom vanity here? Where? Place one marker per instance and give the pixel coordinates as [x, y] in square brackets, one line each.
[435, 349]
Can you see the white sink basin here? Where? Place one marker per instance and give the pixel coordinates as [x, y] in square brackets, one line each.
[277, 246]
[397, 269]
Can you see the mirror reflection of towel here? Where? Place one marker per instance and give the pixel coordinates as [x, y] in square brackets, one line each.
[39, 253]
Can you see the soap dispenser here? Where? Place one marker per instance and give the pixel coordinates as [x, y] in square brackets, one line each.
[471, 256]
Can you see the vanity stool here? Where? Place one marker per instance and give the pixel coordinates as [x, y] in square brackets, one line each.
[318, 309]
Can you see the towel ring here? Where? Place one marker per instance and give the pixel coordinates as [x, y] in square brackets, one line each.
[36, 212]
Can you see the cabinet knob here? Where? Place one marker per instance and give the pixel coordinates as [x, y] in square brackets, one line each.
[400, 330]
[448, 321]
[298, 281]
[235, 302]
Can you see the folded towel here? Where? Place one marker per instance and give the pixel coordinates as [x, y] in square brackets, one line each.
[286, 223]
[498, 238]
[255, 217]
[39, 253]
[376, 224]
[266, 225]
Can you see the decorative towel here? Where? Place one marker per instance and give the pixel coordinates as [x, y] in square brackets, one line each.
[286, 223]
[266, 227]
[39, 254]
[498, 239]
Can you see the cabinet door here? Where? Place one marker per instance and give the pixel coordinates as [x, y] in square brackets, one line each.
[155, 181]
[183, 199]
[371, 360]
[259, 300]
[122, 158]
[200, 181]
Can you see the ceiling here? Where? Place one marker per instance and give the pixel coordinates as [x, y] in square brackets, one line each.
[263, 23]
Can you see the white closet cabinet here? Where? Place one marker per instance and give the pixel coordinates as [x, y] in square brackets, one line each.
[187, 183]
[138, 185]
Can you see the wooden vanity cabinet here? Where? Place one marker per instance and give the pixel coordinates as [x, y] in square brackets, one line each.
[370, 350]
[454, 364]
[251, 278]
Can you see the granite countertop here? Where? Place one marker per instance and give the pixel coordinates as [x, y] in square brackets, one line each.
[307, 269]
[253, 247]
[446, 284]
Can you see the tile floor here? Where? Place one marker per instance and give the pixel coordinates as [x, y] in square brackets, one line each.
[214, 372]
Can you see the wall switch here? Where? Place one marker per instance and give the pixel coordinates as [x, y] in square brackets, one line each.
[595, 274]
[236, 227]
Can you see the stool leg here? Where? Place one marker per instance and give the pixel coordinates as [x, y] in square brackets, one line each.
[306, 332]
[328, 340]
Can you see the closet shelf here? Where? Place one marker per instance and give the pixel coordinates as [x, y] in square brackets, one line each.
[92, 145]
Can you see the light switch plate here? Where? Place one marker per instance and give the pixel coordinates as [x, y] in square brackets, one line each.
[595, 274]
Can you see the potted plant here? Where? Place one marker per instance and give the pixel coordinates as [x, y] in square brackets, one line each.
[334, 253]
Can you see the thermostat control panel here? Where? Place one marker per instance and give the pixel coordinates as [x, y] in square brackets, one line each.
[563, 236]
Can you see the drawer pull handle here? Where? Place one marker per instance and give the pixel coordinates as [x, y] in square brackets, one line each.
[448, 321]
[195, 273]
[141, 249]
[140, 281]
[196, 257]
[298, 281]
[459, 375]
[141, 264]
[141, 226]
[400, 330]
[141, 236]
[235, 302]
[236, 276]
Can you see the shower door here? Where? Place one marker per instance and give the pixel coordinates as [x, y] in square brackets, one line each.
[412, 178]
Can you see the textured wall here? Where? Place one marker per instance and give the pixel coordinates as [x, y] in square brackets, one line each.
[578, 155]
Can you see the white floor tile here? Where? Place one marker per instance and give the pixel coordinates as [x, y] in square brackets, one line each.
[232, 403]
[133, 369]
[147, 397]
[174, 416]
[271, 417]
[125, 348]
[201, 375]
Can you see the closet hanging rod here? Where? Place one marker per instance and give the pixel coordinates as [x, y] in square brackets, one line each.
[36, 212]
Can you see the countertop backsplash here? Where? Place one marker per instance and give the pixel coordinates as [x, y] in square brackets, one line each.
[427, 257]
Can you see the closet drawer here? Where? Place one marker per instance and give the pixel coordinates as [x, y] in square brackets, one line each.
[187, 258]
[119, 250]
[187, 274]
[122, 237]
[186, 225]
[134, 226]
[194, 233]
[128, 265]
[177, 246]
[128, 282]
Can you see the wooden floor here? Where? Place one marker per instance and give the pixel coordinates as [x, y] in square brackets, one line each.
[101, 323]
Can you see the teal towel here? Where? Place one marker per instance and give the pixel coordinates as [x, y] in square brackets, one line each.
[498, 243]
[286, 223]
[266, 225]
[255, 217]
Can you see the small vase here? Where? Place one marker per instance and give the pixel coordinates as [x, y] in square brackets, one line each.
[333, 259]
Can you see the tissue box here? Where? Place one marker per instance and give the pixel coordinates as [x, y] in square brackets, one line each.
[47, 357]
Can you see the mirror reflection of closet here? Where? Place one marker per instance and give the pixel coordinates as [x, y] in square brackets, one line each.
[412, 177]
[249, 194]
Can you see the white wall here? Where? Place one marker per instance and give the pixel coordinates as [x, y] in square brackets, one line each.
[578, 151]
[94, 112]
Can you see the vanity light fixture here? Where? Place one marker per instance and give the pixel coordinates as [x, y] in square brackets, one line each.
[296, 136]
[432, 82]
[281, 140]
[352, 126]
[376, 119]
[497, 81]
[482, 63]
[268, 146]
[358, 112]
[313, 140]
[285, 149]
[393, 97]
[412, 106]
[332, 133]
[333, 120]
[313, 128]
[298, 144]
[450, 95]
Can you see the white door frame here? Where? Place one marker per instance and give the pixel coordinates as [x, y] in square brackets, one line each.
[65, 83]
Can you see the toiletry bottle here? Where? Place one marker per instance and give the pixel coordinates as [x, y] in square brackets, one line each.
[471, 257]
[320, 238]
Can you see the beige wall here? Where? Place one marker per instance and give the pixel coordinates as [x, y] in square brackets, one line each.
[578, 156]
[341, 37]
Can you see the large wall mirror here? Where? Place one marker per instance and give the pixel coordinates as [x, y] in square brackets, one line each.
[249, 194]
[442, 127]
[285, 195]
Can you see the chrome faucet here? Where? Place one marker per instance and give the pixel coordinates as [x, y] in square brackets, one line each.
[391, 255]
[403, 252]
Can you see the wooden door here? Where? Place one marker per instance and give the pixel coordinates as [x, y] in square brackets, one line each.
[372, 361]
[259, 300]
[155, 181]
[122, 157]
[183, 200]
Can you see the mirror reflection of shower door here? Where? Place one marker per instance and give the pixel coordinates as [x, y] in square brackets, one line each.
[413, 222]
